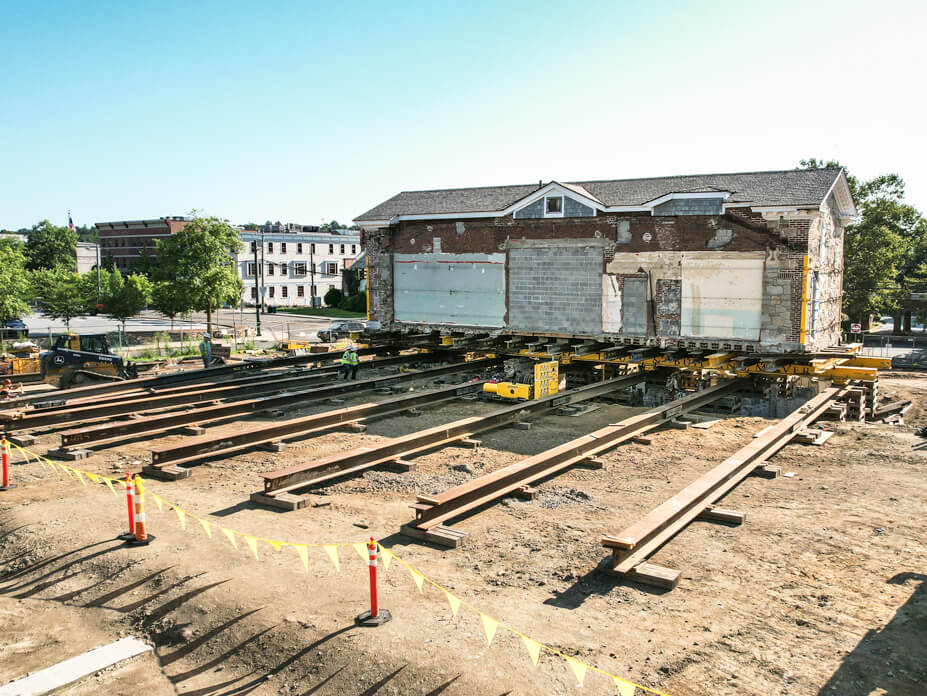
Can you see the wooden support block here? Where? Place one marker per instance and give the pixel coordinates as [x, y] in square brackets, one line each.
[21, 439]
[284, 501]
[768, 472]
[400, 465]
[274, 446]
[70, 455]
[167, 473]
[442, 536]
[642, 440]
[679, 424]
[526, 493]
[468, 442]
[355, 427]
[645, 573]
[591, 463]
[521, 425]
[193, 430]
[812, 436]
[721, 515]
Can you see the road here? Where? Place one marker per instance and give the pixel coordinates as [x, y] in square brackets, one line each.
[274, 327]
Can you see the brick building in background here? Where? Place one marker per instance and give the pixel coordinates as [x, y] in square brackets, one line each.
[122, 242]
[745, 262]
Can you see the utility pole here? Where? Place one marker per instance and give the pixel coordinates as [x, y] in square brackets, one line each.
[261, 298]
[311, 276]
[99, 288]
[257, 292]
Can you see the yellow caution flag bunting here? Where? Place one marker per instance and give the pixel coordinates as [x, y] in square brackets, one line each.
[386, 556]
[624, 688]
[231, 535]
[489, 627]
[303, 552]
[579, 669]
[109, 484]
[418, 578]
[182, 516]
[80, 477]
[252, 544]
[362, 551]
[275, 544]
[453, 601]
[332, 551]
[158, 501]
[534, 649]
[93, 477]
[206, 526]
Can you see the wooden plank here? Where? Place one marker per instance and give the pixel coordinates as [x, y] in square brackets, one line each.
[76, 668]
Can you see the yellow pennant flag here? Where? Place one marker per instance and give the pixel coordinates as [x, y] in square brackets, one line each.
[206, 526]
[419, 580]
[362, 551]
[489, 627]
[275, 544]
[624, 688]
[109, 484]
[93, 477]
[182, 516]
[80, 477]
[579, 669]
[332, 551]
[303, 552]
[158, 501]
[252, 544]
[453, 601]
[534, 649]
[386, 556]
[231, 535]
[65, 469]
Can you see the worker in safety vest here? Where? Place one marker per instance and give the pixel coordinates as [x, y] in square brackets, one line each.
[10, 390]
[349, 363]
[206, 349]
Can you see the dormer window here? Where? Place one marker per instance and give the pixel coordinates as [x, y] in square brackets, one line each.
[553, 206]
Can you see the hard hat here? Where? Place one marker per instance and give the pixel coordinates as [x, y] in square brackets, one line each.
[206, 336]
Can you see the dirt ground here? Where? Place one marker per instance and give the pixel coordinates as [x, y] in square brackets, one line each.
[821, 591]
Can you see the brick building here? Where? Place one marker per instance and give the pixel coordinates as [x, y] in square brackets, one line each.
[122, 242]
[750, 261]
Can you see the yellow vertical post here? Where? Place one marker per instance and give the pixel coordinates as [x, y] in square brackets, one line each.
[803, 331]
[367, 281]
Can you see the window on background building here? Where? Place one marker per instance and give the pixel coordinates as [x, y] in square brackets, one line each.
[270, 291]
[331, 248]
[253, 293]
[342, 249]
[300, 291]
[353, 250]
[270, 269]
[312, 248]
[331, 267]
[251, 269]
[282, 247]
[554, 205]
[270, 247]
[283, 291]
[299, 268]
[299, 248]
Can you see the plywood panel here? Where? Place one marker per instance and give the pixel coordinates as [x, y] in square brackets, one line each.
[459, 289]
[722, 298]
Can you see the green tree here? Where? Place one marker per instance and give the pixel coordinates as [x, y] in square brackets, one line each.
[333, 297]
[61, 295]
[252, 226]
[127, 297]
[170, 299]
[201, 259]
[330, 226]
[48, 246]
[13, 280]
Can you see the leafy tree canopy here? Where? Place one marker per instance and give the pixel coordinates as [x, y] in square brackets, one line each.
[48, 246]
[60, 294]
[13, 280]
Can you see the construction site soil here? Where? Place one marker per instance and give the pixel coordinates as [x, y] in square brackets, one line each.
[821, 591]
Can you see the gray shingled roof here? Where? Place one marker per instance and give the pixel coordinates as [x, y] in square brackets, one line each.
[793, 187]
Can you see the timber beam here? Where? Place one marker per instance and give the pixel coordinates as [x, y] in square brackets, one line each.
[432, 512]
[165, 460]
[110, 433]
[280, 485]
[634, 545]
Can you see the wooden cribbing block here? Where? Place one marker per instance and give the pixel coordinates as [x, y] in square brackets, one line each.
[193, 430]
[468, 442]
[442, 536]
[721, 515]
[768, 472]
[355, 427]
[274, 446]
[167, 473]
[283, 501]
[645, 573]
[70, 455]
[21, 439]
[642, 440]
[521, 425]
[591, 463]
[526, 493]
[400, 465]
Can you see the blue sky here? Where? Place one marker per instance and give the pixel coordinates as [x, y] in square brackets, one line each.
[304, 111]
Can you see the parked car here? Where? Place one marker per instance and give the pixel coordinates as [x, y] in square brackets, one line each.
[14, 328]
[340, 329]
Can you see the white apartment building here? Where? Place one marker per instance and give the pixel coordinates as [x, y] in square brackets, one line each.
[294, 267]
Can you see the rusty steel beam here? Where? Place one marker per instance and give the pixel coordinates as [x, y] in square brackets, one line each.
[110, 433]
[433, 511]
[278, 485]
[165, 460]
[631, 547]
[177, 396]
